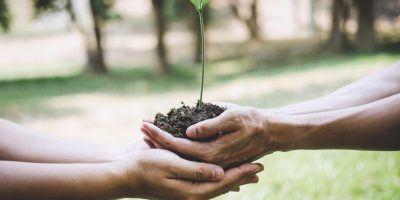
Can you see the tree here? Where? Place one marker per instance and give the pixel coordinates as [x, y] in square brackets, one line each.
[247, 12]
[4, 15]
[365, 37]
[95, 52]
[340, 14]
[312, 23]
[100, 12]
[161, 28]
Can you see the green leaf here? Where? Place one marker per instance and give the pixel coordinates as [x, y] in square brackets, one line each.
[199, 4]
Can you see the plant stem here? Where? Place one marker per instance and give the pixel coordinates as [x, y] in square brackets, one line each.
[203, 56]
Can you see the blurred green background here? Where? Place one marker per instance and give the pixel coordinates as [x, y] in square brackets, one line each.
[93, 69]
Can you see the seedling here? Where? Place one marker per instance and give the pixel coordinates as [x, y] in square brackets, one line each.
[199, 5]
[179, 119]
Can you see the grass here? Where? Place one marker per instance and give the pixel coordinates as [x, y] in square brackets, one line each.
[330, 174]
[326, 175]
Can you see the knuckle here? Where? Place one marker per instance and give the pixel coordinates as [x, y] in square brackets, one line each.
[236, 116]
[212, 157]
[199, 173]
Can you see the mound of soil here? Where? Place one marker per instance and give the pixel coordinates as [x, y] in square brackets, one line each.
[179, 119]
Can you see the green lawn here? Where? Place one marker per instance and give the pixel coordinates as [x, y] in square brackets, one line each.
[292, 175]
[329, 174]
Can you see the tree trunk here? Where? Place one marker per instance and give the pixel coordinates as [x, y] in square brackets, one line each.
[249, 18]
[94, 53]
[312, 22]
[338, 40]
[94, 46]
[252, 22]
[4, 16]
[70, 11]
[365, 37]
[161, 28]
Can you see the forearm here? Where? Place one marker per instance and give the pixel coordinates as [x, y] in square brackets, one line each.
[18, 143]
[60, 181]
[369, 89]
[374, 126]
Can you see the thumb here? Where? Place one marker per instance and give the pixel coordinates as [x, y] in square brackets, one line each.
[196, 171]
[211, 127]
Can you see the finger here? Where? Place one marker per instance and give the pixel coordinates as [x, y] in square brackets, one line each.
[251, 179]
[236, 189]
[154, 141]
[261, 166]
[144, 131]
[195, 171]
[149, 143]
[233, 178]
[208, 128]
[179, 145]
[149, 138]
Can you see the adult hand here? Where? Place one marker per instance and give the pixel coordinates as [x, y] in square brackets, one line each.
[245, 134]
[160, 174]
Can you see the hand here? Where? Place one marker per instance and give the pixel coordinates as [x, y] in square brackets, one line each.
[160, 174]
[242, 139]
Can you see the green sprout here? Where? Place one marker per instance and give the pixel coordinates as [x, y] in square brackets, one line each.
[199, 5]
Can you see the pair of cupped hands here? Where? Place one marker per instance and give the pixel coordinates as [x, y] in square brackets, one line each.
[187, 169]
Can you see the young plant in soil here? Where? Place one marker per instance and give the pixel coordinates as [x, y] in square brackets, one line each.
[179, 119]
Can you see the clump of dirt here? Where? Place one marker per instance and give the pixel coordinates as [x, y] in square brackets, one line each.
[179, 119]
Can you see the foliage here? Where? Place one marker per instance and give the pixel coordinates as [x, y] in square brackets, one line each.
[176, 9]
[101, 7]
[4, 15]
[42, 6]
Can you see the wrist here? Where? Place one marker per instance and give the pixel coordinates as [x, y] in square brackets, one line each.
[132, 181]
[114, 184]
[286, 132]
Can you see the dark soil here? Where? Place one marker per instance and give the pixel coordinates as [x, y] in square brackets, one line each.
[179, 119]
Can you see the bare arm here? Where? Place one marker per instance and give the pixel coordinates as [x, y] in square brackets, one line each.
[250, 133]
[21, 180]
[374, 126]
[377, 86]
[18, 143]
[154, 174]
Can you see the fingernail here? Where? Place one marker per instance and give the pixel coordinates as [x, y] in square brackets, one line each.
[218, 173]
[260, 167]
[256, 169]
[254, 180]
